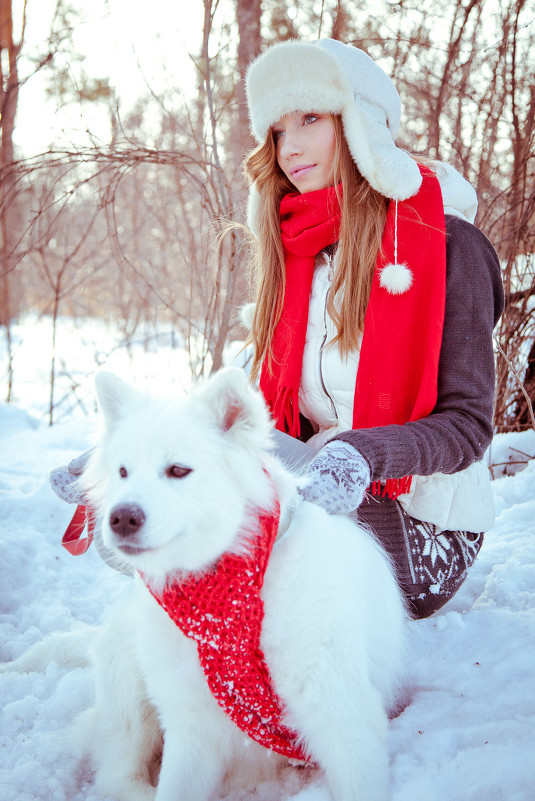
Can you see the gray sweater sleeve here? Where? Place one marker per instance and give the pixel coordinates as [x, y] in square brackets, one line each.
[459, 429]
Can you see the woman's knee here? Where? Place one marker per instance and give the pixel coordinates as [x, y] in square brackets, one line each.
[428, 597]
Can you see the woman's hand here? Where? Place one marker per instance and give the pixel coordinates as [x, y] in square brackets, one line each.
[337, 478]
[64, 480]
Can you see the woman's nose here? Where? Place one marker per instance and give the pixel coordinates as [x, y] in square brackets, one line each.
[290, 145]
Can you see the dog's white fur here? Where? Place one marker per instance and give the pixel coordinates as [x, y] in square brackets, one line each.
[333, 629]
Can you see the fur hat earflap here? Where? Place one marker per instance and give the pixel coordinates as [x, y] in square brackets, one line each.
[330, 77]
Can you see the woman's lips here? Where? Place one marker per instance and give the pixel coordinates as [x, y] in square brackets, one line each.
[300, 170]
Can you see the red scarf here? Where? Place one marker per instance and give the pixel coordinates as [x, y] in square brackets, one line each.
[222, 610]
[398, 365]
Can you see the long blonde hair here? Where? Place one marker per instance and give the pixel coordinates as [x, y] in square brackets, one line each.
[363, 215]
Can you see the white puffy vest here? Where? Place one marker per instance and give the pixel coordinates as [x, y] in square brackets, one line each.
[461, 501]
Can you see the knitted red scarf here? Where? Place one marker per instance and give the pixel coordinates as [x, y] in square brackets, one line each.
[222, 610]
[398, 365]
[309, 223]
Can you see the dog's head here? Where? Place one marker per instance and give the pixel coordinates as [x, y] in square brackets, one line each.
[174, 479]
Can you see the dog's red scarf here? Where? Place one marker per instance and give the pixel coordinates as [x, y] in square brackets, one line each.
[222, 610]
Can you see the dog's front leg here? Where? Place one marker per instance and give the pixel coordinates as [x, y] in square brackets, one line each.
[198, 737]
[192, 765]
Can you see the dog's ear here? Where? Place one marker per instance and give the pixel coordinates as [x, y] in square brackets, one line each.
[114, 395]
[236, 405]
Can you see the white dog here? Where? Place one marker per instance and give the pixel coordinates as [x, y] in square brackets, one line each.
[184, 487]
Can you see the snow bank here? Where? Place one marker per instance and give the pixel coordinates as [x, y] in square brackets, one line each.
[467, 732]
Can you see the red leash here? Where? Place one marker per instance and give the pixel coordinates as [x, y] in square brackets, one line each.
[72, 539]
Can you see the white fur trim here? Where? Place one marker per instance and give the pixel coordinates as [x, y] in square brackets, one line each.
[253, 203]
[460, 198]
[246, 314]
[396, 278]
[294, 76]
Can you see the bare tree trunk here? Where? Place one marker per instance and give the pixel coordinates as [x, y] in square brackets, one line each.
[9, 91]
[248, 15]
[521, 146]
[340, 20]
[456, 34]
[53, 360]
[523, 413]
[517, 327]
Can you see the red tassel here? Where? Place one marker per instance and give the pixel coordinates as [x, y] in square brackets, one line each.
[286, 412]
[72, 539]
[392, 487]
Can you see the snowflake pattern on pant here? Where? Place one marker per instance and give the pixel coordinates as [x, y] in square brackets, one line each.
[430, 564]
[437, 561]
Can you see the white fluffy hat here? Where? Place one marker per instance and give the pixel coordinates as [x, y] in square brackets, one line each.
[330, 77]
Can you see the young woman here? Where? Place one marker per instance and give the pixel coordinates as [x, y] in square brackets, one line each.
[375, 305]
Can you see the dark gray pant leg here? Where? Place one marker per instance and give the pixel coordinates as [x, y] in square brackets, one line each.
[430, 564]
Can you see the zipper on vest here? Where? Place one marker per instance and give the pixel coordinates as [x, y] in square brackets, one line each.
[320, 368]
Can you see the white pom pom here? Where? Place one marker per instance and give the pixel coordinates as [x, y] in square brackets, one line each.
[396, 278]
[246, 314]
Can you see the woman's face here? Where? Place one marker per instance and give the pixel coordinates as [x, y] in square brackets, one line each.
[306, 148]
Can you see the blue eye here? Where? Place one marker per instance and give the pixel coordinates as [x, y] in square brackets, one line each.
[309, 118]
[277, 135]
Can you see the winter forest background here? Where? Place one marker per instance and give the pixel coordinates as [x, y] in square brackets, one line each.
[122, 131]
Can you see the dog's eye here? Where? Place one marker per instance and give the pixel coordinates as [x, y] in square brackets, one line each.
[177, 471]
[123, 472]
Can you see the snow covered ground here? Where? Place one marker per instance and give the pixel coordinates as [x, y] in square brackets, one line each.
[469, 730]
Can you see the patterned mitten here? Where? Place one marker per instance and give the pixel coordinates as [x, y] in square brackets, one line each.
[64, 480]
[338, 477]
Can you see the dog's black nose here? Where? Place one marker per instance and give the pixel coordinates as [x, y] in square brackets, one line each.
[127, 519]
